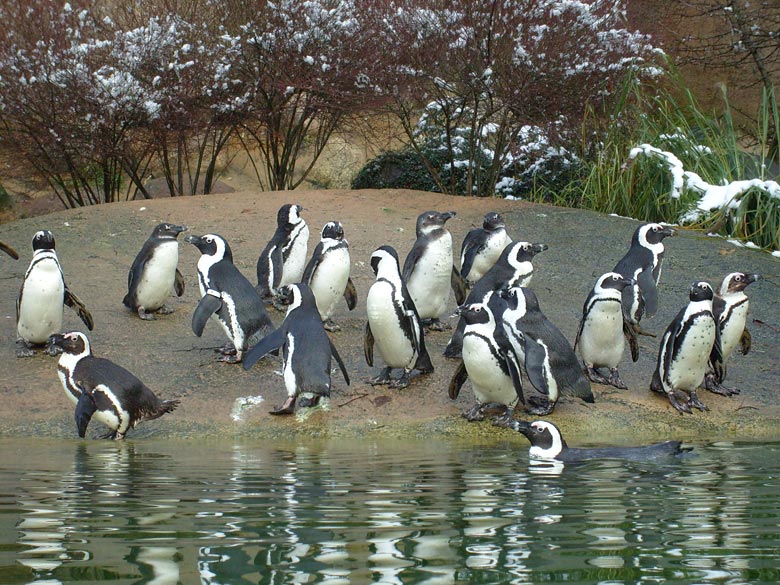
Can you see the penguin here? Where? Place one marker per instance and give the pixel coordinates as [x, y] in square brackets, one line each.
[642, 263]
[513, 268]
[284, 257]
[691, 340]
[228, 296]
[556, 364]
[41, 297]
[393, 323]
[730, 308]
[490, 362]
[482, 247]
[327, 273]
[428, 270]
[9, 250]
[154, 274]
[547, 442]
[103, 389]
[603, 328]
[306, 350]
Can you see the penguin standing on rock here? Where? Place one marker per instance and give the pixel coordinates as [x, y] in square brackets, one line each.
[691, 339]
[393, 323]
[327, 273]
[228, 296]
[306, 350]
[482, 247]
[154, 274]
[284, 257]
[603, 328]
[41, 298]
[103, 390]
[429, 272]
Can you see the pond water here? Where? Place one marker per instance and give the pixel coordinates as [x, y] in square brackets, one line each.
[153, 511]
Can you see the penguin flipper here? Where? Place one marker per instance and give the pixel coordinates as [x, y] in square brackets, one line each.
[535, 363]
[649, 292]
[268, 344]
[350, 294]
[178, 283]
[631, 338]
[9, 250]
[85, 408]
[74, 303]
[514, 373]
[208, 305]
[458, 284]
[334, 352]
[277, 259]
[311, 265]
[745, 342]
[458, 379]
[368, 345]
[716, 358]
[411, 261]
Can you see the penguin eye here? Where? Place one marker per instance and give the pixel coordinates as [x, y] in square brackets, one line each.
[167, 227]
[655, 228]
[208, 239]
[738, 278]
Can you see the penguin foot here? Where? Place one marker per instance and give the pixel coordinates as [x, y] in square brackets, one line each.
[165, 310]
[436, 325]
[475, 413]
[539, 406]
[401, 381]
[109, 435]
[309, 401]
[615, 379]
[694, 401]
[230, 359]
[329, 325]
[25, 350]
[227, 349]
[595, 376]
[682, 406]
[503, 420]
[287, 408]
[53, 350]
[382, 379]
[711, 385]
[145, 315]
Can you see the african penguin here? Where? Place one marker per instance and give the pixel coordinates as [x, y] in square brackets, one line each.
[284, 257]
[428, 270]
[9, 250]
[482, 247]
[327, 273]
[691, 339]
[642, 263]
[490, 362]
[513, 268]
[730, 308]
[41, 298]
[603, 328]
[547, 442]
[228, 296]
[306, 350]
[154, 274]
[102, 389]
[393, 323]
[556, 366]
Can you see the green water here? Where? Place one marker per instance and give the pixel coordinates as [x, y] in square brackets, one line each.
[162, 512]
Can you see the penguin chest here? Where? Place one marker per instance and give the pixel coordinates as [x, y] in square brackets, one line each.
[385, 317]
[294, 254]
[330, 280]
[41, 302]
[429, 283]
[732, 328]
[601, 342]
[488, 380]
[65, 368]
[689, 362]
[488, 255]
[110, 410]
[156, 280]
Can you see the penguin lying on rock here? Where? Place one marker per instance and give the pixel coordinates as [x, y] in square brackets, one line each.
[482, 247]
[548, 443]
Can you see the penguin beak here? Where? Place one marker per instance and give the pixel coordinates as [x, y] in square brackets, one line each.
[750, 278]
[667, 231]
[519, 426]
[448, 215]
[540, 247]
[285, 295]
[192, 239]
[179, 228]
[56, 340]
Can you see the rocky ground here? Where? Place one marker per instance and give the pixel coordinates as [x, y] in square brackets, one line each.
[97, 245]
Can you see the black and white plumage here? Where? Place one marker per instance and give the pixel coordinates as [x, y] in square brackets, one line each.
[730, 307]
[482, 247]
[513, 268]
[547, 442]
[642, 263]
[691, 340]
[327, 273]
[306, 350]
[227, 296]
[393, 323]
[41, 298]
[604, 329]
[490, 362]
[104, 390]
[284, 257]
[154, 274]
[9, 250]
[556, 366]
[428, 270]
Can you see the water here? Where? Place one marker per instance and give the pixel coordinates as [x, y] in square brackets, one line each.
[418, 512]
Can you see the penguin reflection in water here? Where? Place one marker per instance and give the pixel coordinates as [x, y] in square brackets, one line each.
[306, 350]
[103, 390]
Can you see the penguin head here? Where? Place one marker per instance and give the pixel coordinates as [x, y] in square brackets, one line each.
[493, 221]
[295, 295]
[432, 220]
[523, 252]
[73, 343]
[653, 233]
[211, 245]
[333, 230]
[475, 313]
[545, 438]
[43, 240]
[514, 297]
[168, 230]
[736, 282]
[701, 291]
[613, 280]
[383, 255]
[288, 216]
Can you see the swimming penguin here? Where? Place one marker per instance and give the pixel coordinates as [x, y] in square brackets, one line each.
[691, 339]
[547, 443]
[642, 263]
[306, 350]
[41, 297]
[513, 268]
[9, 250]
[429, 272]
[102, 389]
[490, 362]
[154, 274]
[227, 295]
[393, 323]
[284, 257]
[730, 308]
[557, 364]
[482, 247]
[603, 328]
[327, 273]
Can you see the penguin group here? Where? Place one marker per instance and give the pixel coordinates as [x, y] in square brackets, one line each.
[513, 356]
